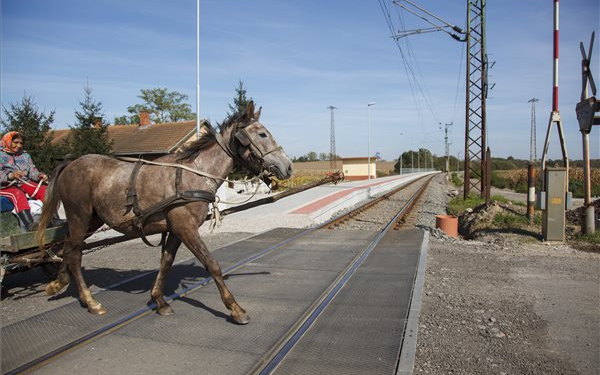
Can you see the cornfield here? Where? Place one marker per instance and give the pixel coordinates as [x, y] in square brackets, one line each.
[517, 180]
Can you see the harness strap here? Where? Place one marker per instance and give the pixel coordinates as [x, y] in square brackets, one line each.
[179, 198]
[221, 142]
[132, 202]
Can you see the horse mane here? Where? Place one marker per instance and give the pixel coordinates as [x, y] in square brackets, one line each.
[208, 138]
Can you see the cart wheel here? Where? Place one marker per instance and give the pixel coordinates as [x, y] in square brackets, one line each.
[51, 269]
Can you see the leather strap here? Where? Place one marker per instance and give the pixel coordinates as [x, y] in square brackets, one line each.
[179, 198]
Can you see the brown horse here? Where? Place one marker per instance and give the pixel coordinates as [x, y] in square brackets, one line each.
[92, 189]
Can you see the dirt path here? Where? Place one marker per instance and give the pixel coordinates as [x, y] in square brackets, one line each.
[509, 309]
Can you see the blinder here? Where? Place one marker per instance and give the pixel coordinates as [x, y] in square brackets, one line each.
[245, 140]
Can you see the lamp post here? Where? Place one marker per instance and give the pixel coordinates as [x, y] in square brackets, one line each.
[369, 140]
[400, 164]
[401, 158]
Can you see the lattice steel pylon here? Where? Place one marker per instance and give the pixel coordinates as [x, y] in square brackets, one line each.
[477, 87]
[332, 154]
[532, 137]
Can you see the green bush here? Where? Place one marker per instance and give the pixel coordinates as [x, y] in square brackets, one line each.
[456, 181]
[521, 187]
[591, 238]
[510, 220]
[498, 181]
[458, 205]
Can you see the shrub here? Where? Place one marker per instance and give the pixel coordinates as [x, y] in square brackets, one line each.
[505, 220]
[456, 180]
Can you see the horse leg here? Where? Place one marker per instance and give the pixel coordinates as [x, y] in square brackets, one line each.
[72, 261]
[169, 251]
[192, 240]
[63, 278]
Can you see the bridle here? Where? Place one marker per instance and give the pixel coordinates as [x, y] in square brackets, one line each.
[244, 139]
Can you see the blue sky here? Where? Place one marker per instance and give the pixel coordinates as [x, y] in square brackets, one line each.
[296, 58]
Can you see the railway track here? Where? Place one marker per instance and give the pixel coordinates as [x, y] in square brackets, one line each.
[378, 212]
[401, 200]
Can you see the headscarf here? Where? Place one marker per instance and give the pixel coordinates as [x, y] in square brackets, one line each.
[7, 140]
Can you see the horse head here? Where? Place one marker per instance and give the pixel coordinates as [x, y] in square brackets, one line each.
[255, 147]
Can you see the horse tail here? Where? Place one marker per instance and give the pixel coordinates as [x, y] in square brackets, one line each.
[51, 201]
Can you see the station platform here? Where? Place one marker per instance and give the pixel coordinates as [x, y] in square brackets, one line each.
[310, 207]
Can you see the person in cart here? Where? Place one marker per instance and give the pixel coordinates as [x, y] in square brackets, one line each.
[19, 178]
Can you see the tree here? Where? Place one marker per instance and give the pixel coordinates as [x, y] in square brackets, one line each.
[90, 134]
[124, 120]
[240, 102]
[312, 156]
[34, 126]
[162, 105]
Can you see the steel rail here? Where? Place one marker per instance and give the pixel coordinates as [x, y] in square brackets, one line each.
[122, 322]
[272, 359]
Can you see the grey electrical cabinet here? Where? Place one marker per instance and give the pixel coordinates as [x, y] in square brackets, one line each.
[556, 200]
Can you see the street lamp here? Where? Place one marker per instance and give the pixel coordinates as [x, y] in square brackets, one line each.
[401, 158]
[369, 140]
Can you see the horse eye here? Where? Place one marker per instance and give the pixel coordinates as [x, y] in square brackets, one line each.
[263, 135]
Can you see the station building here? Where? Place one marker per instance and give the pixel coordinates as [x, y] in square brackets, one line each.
[357, 168]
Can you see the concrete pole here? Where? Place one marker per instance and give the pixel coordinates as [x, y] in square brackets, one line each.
[197, 69]
[588, 223]
[369, 141]
[400, 164]
[531, 192]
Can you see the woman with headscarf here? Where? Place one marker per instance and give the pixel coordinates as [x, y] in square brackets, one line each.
[18, 176]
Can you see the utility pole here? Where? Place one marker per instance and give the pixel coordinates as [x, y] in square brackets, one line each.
[476, 94]
[447, 148]
[332, 154]
[532, 140]
[476, 84]
[588, 115]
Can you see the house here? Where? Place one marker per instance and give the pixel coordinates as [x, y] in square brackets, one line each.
[146, 140]
[357, 168]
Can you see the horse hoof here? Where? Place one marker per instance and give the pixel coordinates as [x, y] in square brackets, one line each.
[165, 310]
[53, 288]
[241, 319]
[97, 309]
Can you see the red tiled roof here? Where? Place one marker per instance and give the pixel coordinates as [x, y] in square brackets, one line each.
[150, 139]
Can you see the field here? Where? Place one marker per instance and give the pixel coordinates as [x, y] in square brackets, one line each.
[517, 180]
[311, 171]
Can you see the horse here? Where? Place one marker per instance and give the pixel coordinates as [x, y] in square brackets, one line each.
[92, 190]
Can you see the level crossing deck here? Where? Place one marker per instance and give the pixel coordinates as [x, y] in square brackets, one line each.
[276, 289]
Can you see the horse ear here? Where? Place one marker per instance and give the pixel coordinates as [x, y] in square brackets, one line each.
[250, 110]
[257, 114]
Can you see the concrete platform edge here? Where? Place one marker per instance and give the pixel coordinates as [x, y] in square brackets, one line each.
[408, 351]
[360, 195]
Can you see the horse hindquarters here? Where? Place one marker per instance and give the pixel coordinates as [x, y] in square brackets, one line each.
[79, 211]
